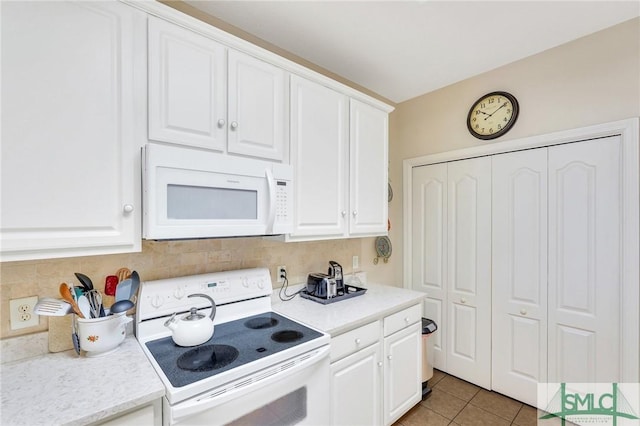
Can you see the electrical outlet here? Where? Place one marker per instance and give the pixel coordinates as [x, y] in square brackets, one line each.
[281, 273]
[22, 315]
[355, 262]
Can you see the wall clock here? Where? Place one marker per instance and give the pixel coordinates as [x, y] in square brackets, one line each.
[492, 115]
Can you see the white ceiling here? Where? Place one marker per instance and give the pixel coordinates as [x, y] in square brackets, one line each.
[403, 49]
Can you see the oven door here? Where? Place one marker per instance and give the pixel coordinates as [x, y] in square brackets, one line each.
[295, 392]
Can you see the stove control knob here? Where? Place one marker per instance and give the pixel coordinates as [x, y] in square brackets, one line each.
[245, 282]
[261, 284]
[178, 293]
[157, 301]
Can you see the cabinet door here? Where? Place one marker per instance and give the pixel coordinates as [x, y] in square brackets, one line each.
[585, 262]
[369, 132]
[73, 94]
[319, 153]
[519, 265]
[402, 372]
[356, 388]
[257, 115]
[469, 270]
[187, 87]
[429, 251]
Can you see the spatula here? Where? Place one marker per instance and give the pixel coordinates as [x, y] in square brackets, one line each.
[51, 307]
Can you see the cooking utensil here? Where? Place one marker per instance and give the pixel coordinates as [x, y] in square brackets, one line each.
[84, 305]
[121, 306]
[74, 335]
[123, 290]
[67, 294]
[135, 283]
[85, 281]
[110, 284]
[95, 302]
[51, 307]
[123, 274]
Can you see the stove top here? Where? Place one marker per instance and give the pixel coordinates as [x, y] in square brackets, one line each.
[235, 343]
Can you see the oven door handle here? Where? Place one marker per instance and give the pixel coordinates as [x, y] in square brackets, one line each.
[231, 390]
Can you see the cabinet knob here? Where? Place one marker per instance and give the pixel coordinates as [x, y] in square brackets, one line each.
[389, 357]
[380, 364]
[358, 341]
[221, 122]
[406, 319]
[523, 312]
[355, 213]
[234, 125]
[344, 213]
[127, 208]
[463, 300]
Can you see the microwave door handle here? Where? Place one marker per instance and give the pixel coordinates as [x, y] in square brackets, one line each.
[271, 185]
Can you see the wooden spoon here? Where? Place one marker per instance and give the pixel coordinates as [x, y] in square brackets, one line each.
[65, 292]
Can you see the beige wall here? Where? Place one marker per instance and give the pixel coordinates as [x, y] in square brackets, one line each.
[166, 259]
[592, 80]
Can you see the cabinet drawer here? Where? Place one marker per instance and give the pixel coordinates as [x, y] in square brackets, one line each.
[402, 319]
[354, 340]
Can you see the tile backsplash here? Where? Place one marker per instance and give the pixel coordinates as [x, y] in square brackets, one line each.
[167, 259]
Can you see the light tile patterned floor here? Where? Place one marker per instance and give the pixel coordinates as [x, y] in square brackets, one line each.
[456, 402]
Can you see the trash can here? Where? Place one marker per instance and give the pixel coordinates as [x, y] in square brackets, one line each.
[428, 327]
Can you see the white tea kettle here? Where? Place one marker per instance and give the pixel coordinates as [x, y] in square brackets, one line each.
[192, 329]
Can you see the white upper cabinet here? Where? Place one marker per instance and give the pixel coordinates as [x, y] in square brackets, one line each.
[206, 95]
[368, 159]
[319, 154]
[339, 152]
[73, 100]
[257, 114]
[187, 87]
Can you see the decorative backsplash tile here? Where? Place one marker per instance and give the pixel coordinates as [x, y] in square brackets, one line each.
[167, 259]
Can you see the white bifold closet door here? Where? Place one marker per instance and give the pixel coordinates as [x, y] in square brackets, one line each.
[519, 269]
[429, 248]
[585, 262]
[451, 221]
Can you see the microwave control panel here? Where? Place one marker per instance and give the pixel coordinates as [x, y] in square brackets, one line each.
[283, 207]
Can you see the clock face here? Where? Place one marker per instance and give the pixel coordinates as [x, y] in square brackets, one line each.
[492, 115]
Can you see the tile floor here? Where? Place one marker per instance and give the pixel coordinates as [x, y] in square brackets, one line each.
[456, 402]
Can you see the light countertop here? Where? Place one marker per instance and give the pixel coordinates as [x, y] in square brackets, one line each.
[64, 389]
[339, 317]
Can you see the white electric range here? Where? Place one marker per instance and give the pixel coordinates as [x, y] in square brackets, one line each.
[259, 367]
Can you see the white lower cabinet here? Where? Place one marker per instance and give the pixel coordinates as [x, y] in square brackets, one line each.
[402, 372]
[376, 370]
[356, 387]
[147, 415]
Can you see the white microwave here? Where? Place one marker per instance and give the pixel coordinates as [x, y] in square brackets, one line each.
[190, 193]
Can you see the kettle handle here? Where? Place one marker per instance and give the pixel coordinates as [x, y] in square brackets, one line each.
[213, 304]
